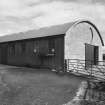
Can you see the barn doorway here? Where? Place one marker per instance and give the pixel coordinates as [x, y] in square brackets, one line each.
[4, 54]
[91, 55]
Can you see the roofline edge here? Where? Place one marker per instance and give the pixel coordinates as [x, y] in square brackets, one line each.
[93, 25]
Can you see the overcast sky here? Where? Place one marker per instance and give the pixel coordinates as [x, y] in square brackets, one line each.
[22, 15]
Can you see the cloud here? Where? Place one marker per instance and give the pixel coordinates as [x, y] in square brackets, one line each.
[16, 16]
[60, 12]
[21, 15]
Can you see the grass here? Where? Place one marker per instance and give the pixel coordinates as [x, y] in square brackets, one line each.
[28, 87]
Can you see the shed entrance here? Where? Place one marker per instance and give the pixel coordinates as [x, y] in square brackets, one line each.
[4, 54]
[91, 55]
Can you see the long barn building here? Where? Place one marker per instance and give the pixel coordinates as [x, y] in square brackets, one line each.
[48, 47]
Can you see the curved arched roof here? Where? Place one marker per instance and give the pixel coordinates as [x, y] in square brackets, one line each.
[93, 25]
[47, 31]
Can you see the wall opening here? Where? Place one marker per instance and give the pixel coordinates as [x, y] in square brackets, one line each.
[91, 55]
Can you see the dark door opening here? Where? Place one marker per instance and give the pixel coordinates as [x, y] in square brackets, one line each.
[103, 59]
[91, 55]
[96, 55]
[4, 54]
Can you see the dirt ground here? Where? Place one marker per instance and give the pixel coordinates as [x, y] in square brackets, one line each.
[25, 86]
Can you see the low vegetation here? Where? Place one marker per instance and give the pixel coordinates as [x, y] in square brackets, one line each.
[30, 87]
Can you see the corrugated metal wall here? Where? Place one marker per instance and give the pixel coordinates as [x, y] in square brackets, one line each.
[34, 52]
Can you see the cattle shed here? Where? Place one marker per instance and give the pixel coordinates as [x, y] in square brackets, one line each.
[48, 47]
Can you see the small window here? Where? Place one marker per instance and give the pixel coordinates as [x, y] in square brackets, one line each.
[51, 46]
[36, 46]
[12, 49]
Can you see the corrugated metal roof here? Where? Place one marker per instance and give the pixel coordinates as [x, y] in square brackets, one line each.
[42, 32]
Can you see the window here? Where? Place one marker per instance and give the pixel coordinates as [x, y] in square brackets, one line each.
[36, 46]
[51, 46]
[12, 49]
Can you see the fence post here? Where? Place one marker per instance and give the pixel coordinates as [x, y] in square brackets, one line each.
[68, 64]
[65, 65]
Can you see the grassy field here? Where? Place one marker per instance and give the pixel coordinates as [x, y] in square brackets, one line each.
[20, 86]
